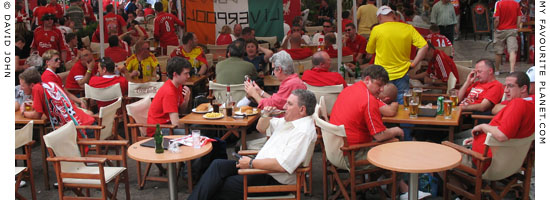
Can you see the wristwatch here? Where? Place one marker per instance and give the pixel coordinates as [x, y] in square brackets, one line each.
[250, 163]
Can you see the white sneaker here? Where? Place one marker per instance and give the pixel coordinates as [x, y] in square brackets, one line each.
[421, 195]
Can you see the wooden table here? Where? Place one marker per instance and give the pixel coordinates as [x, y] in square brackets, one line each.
[414, 157]
[195, 80]
[271, 81]
[186, 154]
[41, 124]
[402, 117]
[233, 126]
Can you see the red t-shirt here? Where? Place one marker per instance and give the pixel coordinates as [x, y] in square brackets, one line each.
[57, 102]
[45, 40]
[51, 76]
[358, 110]
[41, 11]
[88, 12]
[136, 34]
[165, 30]
[300, 53]
[166, 101]
[117, 54]
[106, 81]
[357, 46]
[333, 53]
[58, 10]
[491, 91]
[322, 77]
[148, 11]
[77, 72]
[344, 23]
[224, 39]
[113, 21]
[441, 66]
[508, 12]
[72, 53]
[516, 120]
[439, 40]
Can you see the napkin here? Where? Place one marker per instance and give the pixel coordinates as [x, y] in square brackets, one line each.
[188, 140]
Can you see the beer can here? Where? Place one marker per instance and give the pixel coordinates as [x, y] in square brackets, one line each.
[440, 105]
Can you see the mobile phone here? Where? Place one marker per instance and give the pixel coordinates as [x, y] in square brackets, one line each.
[236, 155]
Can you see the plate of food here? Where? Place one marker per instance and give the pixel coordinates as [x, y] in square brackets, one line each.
[246, 110]
[203, 108]
[213, 115]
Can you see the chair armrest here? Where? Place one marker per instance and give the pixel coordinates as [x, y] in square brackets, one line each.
[77, 159]
[365, 145]
[466, 151]
[248, 152]
[102, 142]
[170, 126]
[482, 116]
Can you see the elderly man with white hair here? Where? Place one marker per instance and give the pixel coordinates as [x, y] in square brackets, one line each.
[284, 71]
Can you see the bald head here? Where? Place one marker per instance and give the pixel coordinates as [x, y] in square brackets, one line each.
[321, 59]
[295, 38]
[389, 94]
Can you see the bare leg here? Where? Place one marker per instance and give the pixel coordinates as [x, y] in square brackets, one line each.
[498, 61]
[403, 187]
[513, 56]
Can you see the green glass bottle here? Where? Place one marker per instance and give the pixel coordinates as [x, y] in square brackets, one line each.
[357, 70]
[159, 141]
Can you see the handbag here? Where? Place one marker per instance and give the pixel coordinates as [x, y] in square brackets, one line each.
[34, 60]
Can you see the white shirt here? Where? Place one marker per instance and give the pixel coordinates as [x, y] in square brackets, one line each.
[288, 144]
[305, 37]
[318, 39]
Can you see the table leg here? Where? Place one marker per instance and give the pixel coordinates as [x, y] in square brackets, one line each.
[451, 133]
[172, 181]
[243, 138]
[44, 162]
[413, 186]
[189, 177]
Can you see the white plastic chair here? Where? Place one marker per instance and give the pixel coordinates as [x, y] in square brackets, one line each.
[329, 92]
[142, 90]
[23, 137]
[237, 91]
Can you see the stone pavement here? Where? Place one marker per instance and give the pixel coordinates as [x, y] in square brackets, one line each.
[464, 50]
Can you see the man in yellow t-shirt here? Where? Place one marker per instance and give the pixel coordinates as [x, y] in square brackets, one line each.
[366, 17]
[391, 41]
[142, 65]
[193, 53]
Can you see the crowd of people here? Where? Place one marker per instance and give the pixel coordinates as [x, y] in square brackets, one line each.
[388, 52]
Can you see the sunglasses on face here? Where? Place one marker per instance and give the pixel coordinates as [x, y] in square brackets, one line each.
[348, 30]
[56, 60]
[326, 26]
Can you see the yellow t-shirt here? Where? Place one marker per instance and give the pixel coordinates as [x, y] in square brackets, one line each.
[391, 41]
[148, 65]
[366, 14]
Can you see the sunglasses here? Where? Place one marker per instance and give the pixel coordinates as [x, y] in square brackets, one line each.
[327, 26]
[348, 30]
[57, 60]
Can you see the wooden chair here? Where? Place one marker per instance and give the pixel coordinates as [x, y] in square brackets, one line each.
[294, 189]
[72, 171]
[504, 169]
[465, 63]
[329, 92]
[272, 40]
[219, 91]
[217, 50]
[336, 151]
[302, 65]
[23, 138]
[463, 73]
[110, 93]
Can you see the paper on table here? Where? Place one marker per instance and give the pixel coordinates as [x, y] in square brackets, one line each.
[188, 140]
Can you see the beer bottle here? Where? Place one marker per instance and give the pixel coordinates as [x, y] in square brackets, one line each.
[159, 74]
[357, 70]
[159, 141]
[140, 70]
[342, 70]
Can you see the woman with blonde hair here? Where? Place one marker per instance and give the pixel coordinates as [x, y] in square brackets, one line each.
[225, 36]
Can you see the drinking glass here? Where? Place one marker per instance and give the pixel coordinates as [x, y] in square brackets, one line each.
[447, 109]
[453, 96]
[417, 92]
[414, 103]
[406, 99]
[196, 134]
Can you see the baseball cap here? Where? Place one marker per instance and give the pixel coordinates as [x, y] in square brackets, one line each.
[383, 10]
[531, 74]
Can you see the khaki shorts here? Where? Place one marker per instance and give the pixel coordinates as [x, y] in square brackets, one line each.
[361, 155]
[506, 37]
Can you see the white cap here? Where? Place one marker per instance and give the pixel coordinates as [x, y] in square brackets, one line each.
[383, 10]
[531, 74]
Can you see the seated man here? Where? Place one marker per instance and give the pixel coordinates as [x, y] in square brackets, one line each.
[319, 74]
[388, 103]
[82, 71]
[319, 38]
[355, 42]
[283, 68]
[330, 46]
[193, 53]
[285, 150]
[172, 98]
[516, 120]
[439, 40]
[483, 94]
[440, 66]
[296, 28]
[50, 99]
[513, 80]
[296, 51]
[142, 65]
[106, 78]
[233, 69]
[115, 51]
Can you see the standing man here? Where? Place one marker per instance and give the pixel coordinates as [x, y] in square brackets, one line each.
[113, 21]
[58, 10]
[193, 53]
[48, 37]
[391, 41]
[507, 20]
[443, 15]
[366, 18]
[172, 98]
[76, 14]
[233, 69]
[165, 31]
[483, 94]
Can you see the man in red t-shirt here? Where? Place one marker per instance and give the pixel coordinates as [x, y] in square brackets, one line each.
[112, 21]
[439, 40]
[165, 31]
[48, 37]
[507, 19]
[172, 98]
[516, 120]
[355, 42]
[88, 12]
[106, 78]
[483, 94]
[319, 74]
[114, 51]
[513, 86]
[39, 12]
[440, 66]
[330, 46]
[148, 10]
[82, 71]
[296, 51]
[58, 10]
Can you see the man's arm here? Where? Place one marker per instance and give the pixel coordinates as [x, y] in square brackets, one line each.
[32, 114]
[486, 128]
[389, 133]
[265, 163]
[497, 108]
[87, 74]
[420, 55]
[469, 81]
[485, 105]
[389, 110]
[496, 21]
[174, 119]
[203, 69]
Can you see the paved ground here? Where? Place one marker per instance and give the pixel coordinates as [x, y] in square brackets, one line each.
[465, 50]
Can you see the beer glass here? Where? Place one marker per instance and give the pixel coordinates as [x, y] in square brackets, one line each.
[414, 103]
[417, 92]
[447, 109]
[453, 96]
[406, 99]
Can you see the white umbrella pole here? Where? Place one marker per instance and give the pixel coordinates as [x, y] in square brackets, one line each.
[101, 32]
[27, 7]
[378, 3]
[116, 6]
[354, 12]
[178, 6]
[339, 30]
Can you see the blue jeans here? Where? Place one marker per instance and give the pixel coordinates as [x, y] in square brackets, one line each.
[402, 84]
[177, 131]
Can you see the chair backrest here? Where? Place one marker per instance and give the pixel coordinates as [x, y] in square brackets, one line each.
[334, 62]
[272, 40]
[329, 92]
[94, 46]
[142, 90]
[170, 49]
[107, 115]
[219, 91]
[103, 94]
[466, 63]
[309, 154]
[451, 82]
[508, 156]
[63, 143]
[463, 73]
[139, 111]
[323, 113]
[333, 139]
[311, 30]
[264, 45]
[305, 64]
[447, 49]
[86, 41]
[23, 135]
[209, 59]
[217, 50]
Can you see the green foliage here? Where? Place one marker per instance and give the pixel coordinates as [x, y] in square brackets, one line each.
[88, 31]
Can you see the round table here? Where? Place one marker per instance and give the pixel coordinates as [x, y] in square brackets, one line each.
[414, 157]
[147, 154]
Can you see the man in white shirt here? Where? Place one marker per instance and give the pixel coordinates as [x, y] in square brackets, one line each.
[285, 150]
[319, 38]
